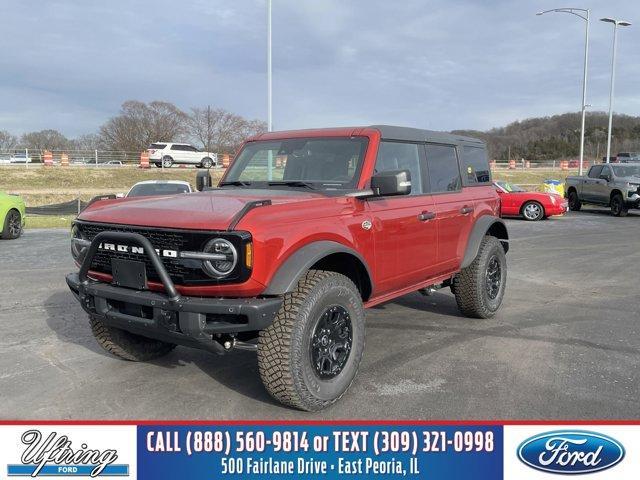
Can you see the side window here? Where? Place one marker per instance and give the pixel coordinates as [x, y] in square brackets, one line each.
[595, 171]
[189, 148]
[444, 174]
[176, 147]
[475, 166]
[401, 156]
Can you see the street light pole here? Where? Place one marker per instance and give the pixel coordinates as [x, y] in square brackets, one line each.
[269, 71]
[616, 23]
[585, 15]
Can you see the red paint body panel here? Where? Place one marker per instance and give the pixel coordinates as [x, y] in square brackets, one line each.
[403, 252]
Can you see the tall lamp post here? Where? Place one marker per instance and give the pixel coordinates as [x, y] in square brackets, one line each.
[616, 24]
[583, 14]
[269, 73]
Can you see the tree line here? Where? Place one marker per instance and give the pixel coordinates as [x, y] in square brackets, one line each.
[140, 124]
[558, 137]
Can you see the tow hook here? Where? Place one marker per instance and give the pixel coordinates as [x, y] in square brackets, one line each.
[230, 342]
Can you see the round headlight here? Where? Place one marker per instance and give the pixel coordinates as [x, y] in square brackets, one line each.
[228, 261]
[78, 243]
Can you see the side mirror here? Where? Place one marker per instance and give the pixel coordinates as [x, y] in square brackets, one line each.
[203, 180]
[393, 182]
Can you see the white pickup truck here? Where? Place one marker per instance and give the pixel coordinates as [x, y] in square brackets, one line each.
[613, 185]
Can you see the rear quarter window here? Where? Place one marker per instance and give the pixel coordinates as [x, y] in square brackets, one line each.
[475, 166]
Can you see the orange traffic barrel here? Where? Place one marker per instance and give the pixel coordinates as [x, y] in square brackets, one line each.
[47, 158]
[512, 164]
[144, 159]
[564, 165]
[64, 160]
[527, 164]
[225, 160]
[492, 164]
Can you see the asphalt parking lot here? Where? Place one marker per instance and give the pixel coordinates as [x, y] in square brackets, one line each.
[566, 344]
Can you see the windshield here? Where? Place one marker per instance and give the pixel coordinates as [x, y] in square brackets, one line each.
[148, 189]
[626, 170]
[510, 187]
[319, 163]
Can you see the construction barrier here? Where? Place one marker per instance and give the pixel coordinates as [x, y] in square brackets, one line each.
[47, 158]
[226, 160]
[144, 159]
[512, 164]
[527, 164]
[64, 160]
[492, 164]
[564, 165]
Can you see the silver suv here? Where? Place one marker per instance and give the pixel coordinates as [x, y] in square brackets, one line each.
[166, 154]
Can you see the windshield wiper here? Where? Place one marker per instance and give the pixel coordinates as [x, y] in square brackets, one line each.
[293, 183]
[235, 183]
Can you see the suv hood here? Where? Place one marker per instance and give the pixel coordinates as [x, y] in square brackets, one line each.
[210, 210]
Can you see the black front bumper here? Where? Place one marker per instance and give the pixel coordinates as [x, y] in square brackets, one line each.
[190, 321]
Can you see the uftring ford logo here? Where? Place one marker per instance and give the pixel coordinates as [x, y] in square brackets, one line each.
[54, 455]
[571, 452]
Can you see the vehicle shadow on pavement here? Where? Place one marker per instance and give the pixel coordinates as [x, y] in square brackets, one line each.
[237, 371]
[437, 303]
[604, 212]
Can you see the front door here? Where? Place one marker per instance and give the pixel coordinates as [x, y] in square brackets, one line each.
[405, 232]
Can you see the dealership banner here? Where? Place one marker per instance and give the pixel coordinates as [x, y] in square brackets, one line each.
[264, 450]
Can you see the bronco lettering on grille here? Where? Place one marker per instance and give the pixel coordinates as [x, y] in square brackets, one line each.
[112, 247]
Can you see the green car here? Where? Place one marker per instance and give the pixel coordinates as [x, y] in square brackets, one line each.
[11, 215]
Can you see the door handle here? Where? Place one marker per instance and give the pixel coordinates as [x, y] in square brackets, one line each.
[426, 216]
[466, 210]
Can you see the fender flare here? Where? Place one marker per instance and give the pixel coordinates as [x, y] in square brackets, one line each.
[293, 268]
[480, 229]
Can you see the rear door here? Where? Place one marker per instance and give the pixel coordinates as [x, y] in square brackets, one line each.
[590, 184]
[405, 232]
[454, 205]
[601, 190]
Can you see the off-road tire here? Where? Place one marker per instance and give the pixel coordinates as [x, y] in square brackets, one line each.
[618, 207]
[284, 348]
[167, 161]
[12, 227]
[470, 285]
[574, 201]
[206, 163]
[127, 345]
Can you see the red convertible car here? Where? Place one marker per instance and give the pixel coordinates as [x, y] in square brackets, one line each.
[532, 206]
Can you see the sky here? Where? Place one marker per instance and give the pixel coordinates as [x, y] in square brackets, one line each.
[436, 64]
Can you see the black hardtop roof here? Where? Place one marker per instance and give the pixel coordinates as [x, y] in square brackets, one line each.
[392, 132]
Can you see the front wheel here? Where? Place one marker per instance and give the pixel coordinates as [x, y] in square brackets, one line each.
[206, 163]
[532, 211]
[479, 288]
[12, 227]
[618, 207]
[309, 356]
[127, 345]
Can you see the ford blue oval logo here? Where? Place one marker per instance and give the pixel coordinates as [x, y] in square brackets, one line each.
[570, 452]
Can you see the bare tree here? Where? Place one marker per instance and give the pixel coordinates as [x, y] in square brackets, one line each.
[89, 141]
[219, 129]
[45, 140]
[140, 124]
[7, 140]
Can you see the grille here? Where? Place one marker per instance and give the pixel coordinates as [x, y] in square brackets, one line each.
[181, 271]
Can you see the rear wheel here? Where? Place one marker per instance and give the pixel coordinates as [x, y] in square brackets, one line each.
[12, 227]
[574, 201]
[618, 207]
[310, 354]
[206, 163]
[167, 161]
[479, 288]
[127, 345]
[532, 211]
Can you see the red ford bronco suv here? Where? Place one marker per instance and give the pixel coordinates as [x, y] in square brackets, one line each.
[305, 230]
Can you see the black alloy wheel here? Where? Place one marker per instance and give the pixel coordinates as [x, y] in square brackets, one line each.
[331, 342]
